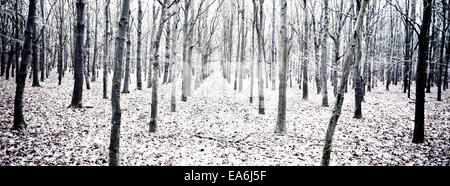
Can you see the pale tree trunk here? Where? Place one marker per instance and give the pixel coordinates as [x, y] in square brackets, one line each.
[260, 54]
[139, 46]
[152, 36]
[273, 61]
[324, 56]
[126, 82]
[185, 50]
[252, 67]
[281, 119]
[153, 126]
[114, 159]
[174, 73]
[243, 47]
[105, 51]
[237, 51]
[351, 47]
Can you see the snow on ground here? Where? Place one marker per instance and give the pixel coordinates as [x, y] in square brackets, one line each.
[218, 126]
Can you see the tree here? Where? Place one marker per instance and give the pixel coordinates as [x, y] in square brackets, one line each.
[442, 45]
[323, 69]
[114, 145]
[358, 79]
[77, 95]
[19, 121]
[34, 58]
[173, 100]
[165, 6]
[94, 60]
[128, 58]
[351, 48]
[139, 44]
[281, 119]
[105, 51]
[419, 119]
[260, 35]
[305, 53]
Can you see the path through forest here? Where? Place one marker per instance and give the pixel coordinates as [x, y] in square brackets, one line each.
[217, 126]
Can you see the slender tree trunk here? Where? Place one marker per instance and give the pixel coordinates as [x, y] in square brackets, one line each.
[105, 51]
[325, 56]
[128, 58]
[114, 145]
[359, 97]
[305, 53]
[351, 48]
[139, 46]
[94, 61]
[252, 67]
[441, 52]
[34, 58]
[154, 107]
[419, 119]
[42, 50]
[19, 121]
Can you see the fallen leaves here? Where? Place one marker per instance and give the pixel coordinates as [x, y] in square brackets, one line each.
[217, 126]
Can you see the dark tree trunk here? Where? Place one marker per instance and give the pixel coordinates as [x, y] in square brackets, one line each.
[441, 52]
[34, 58]
[139, 41]
[42, 50]
[77, 96]
[19, 122]
[419, 119]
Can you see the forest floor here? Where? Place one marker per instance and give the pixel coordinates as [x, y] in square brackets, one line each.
[218, 126]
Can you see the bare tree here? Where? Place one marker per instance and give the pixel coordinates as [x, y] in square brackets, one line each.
[351, 48]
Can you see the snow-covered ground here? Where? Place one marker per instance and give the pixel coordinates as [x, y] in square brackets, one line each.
[218, 126]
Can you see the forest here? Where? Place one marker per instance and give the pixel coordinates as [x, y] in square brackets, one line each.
[224, 83]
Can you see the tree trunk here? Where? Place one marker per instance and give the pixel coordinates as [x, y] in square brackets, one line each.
[34, 58]
[114, 145]
[139, 46]
[105, 51]
[77, 96]
[325, 56]
[42, 50]
[19, 122]
[305, 53]
[419, 119]
[281, 119]
[351, 47]
[154, 107]
[128, 57]
[441, 52]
